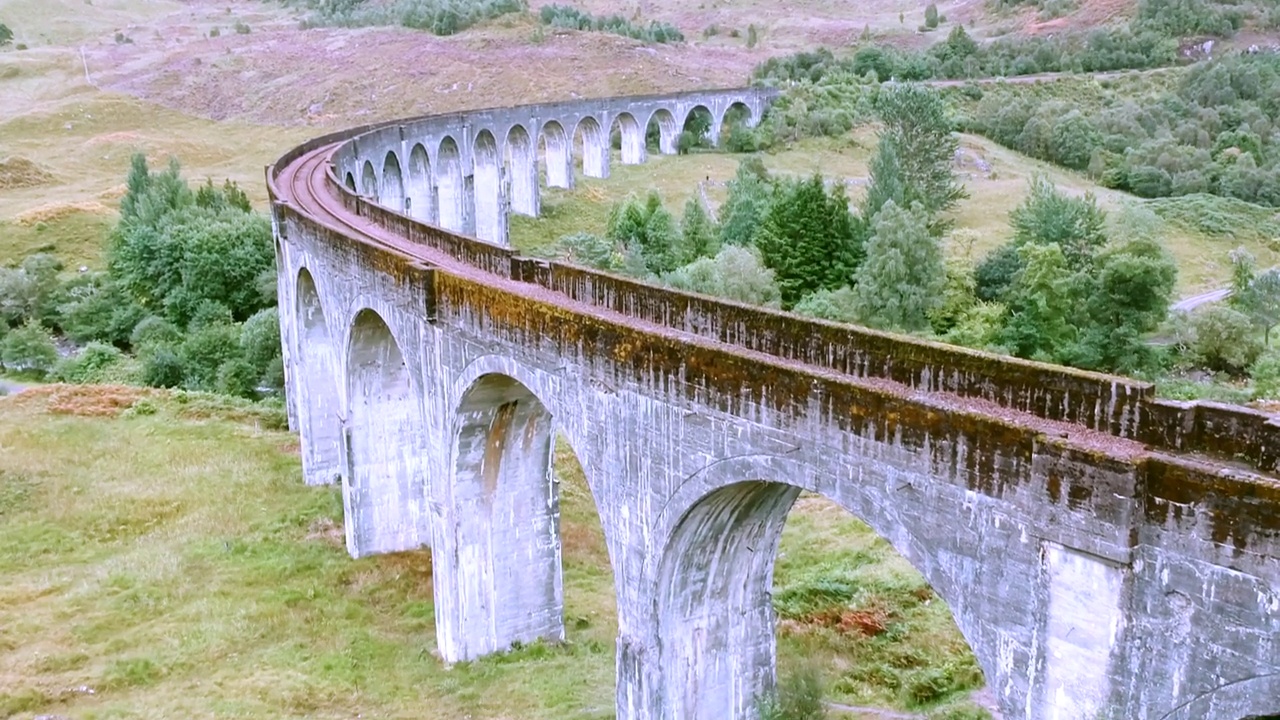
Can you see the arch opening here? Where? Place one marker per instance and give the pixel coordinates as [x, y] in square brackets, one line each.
[627, 136]
[369, 181]
[530, 548]
[556, 155]
[420, 196]
[320, 427]
[592, 147]
[391, 193]
[699, 130]
[450, 186]
[490, 215]
[384, 494]
[522, 169]
[738, 591]
[735, 128]
[662, 132]
[350, 182]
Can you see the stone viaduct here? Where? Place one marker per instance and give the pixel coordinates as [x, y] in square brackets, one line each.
[1106, 554]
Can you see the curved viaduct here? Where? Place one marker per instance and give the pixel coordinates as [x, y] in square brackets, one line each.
[1105, 554]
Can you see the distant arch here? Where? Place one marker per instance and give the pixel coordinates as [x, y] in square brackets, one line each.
[320, 415]
[737, 115]
[488, 188]
[595, 147]
[449, 181]
[662, 132]
[631, 139]
[420, 199]
[384, 492]
[522, 164]
[350, 181]
[369, 181]
[557, 156]
[700, 124]
[392, 189]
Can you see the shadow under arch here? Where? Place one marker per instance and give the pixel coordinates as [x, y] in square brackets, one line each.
[557, 156]
[631, 141]
[507, 514]
[419, 194]
[594, 147]
[384, 493]
[450, 189]
[321, 415]
[522, 163]
[717, 645]
[662, 132]
[487, 172]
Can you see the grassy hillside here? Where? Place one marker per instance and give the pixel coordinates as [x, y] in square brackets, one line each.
[174, 565]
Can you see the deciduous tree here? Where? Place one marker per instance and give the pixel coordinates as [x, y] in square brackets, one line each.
[901, 280]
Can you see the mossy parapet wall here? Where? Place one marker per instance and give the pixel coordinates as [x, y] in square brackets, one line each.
[1235, 511]
[1225, 432]
[1101, 402]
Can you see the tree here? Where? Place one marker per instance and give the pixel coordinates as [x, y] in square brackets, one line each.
[1265, 374]
[931, 16]
[809, 238]
[1048, 216]
[93, 307]
[6, 35]
[204, 351]
[588, 249]
[1223, 339]
[1263, 302]
[735, 273]
[900, 282]
[28, 349]
[748, 200]
[646, 229]
[886, 182]
[1040, 308]
[260, 341]
[993, 276]
[1127, 297]
[916, 123]
[698, 237]
[838, 305]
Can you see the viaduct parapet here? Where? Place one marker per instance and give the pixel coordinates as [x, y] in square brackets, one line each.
[1106, 554]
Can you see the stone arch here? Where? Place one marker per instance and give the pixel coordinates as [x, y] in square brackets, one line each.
[716, 642]
[350, 181]
[369, 181]
[595, 147]
[736, 114]
[700, 122]
[391, 192]
[420, 197]
[1254, 698]
[384, 495]
[450, 186]
[505, 531]
[522, 168]
[631, 138]
[320, 421]
[662, 124]
[558, 157]
[488, 188]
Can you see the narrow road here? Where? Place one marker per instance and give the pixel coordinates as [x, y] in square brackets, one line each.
[1195, 301]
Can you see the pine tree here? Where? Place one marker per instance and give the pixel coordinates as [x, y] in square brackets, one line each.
[916, 124]
[698, 237]
[901, 281]
[748, 201]
[809, 238]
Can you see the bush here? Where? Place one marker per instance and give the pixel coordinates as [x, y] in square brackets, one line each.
[6, 35]
[800, 695]
[205, 351]
[93, 364]
[242, 28]
[152, 332]
[162, 367]
[1223, 339]
[1265, 374]
[565, 16]
[28, 349]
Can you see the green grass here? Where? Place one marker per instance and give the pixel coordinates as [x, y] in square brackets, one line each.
[76, 238]
[175, 564]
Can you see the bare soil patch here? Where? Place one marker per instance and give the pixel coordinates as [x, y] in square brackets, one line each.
[19, 172]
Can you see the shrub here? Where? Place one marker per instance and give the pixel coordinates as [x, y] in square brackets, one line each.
[93, 364]
[242, 28]
[152, 332]
[931, 16]
[28, 349]
[1265, 374]
[6, 35]
[800, 695]
[205, 351]
[162, 367]
[1223, 339]
[565, 16]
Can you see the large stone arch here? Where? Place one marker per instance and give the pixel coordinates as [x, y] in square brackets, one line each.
[736, 112]
[713, 578]
[384, 493]
[595, 147]
[507, 584]
[369, 181]
[522, 168]
[632, 137]
[490, 213]
[712, 133]
[320, 401]
[391, 193]
[668, 130]
[420, 195]
[559, 158]
[451, 187]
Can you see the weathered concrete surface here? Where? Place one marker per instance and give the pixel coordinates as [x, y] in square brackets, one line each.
[1106, 555]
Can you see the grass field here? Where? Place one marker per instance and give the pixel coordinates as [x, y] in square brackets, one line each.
[174, 565]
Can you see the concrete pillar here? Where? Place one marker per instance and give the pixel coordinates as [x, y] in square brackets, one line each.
[384, 494]
[452, 198]
[634, 151]
[498, 580]
[468, 206]
[522, 169]
[559, 158]
[490, 205]
[595, 149]
[391, 192]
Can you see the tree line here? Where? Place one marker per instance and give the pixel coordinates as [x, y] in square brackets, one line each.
[187, 299]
